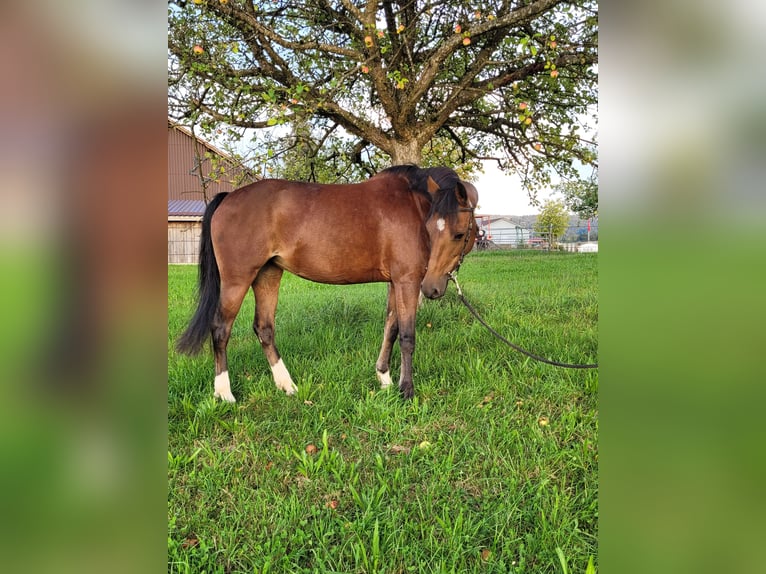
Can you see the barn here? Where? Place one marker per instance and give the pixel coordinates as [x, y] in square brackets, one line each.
[197, 171]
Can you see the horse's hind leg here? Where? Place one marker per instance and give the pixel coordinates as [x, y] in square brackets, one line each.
[266, 291]
[232, 295]
[390, 332]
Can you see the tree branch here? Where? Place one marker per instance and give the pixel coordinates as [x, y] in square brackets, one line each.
[238, 17]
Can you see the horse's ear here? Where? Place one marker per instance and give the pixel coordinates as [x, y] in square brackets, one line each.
[432, 186]
[462, 195]
[471, 193]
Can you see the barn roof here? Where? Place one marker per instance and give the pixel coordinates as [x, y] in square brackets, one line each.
[186, 207]
[175, 125]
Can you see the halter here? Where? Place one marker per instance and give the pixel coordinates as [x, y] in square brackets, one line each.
[463, 251]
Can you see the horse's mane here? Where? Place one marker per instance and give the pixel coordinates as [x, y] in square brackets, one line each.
[444, 203]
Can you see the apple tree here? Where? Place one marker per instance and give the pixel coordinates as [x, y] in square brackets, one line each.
[375, 82]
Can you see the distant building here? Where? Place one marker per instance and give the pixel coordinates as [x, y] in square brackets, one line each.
[502, 230]
[197, 171]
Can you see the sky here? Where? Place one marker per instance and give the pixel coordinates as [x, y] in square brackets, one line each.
[501, 194]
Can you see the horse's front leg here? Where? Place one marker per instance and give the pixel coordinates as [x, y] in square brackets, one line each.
[390, 332]
[406, 309]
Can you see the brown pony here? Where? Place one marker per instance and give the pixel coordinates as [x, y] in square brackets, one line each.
[406, 226]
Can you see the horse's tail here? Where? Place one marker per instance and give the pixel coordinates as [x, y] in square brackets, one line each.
[209, 290]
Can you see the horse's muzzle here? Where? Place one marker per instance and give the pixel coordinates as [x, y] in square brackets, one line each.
[434, 288]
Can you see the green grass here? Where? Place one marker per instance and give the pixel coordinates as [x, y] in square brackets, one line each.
[463, 478]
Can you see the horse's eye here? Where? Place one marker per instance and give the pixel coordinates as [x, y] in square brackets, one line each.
[459, 236]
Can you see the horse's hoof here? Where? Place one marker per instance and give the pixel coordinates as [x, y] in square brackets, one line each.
[290, 390]
[222, 388]
[225, 396]
[282, 378]
[384, 378]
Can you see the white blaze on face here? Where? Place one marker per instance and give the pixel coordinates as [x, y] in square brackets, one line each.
[223, 388]
[440, 224]
[282, 378]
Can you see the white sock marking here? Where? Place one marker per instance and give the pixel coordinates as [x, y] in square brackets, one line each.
[223, 388]
[282, 378]
[384, 378]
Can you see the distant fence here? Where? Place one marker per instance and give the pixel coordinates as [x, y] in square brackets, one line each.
[183, 240]
[528, 237]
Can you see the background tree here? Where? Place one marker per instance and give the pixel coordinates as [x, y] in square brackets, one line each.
[382, 81]
[581, 196]
[552, 221]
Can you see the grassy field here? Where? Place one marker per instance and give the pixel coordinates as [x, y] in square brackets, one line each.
[491, 468]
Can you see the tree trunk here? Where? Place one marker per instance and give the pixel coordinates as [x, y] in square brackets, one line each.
[403, 152]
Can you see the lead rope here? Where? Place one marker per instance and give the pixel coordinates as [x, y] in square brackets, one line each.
[453, 278]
